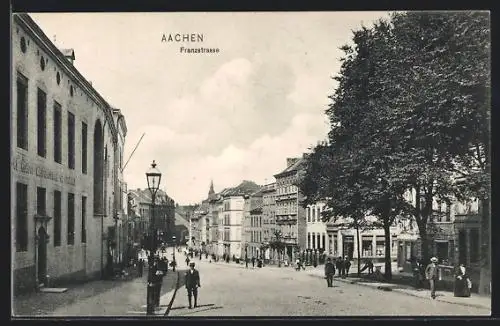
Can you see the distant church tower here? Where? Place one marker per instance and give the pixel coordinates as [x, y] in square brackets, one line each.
[211, 192]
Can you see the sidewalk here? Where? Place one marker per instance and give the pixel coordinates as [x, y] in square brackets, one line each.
[97, 298]
[474, 300]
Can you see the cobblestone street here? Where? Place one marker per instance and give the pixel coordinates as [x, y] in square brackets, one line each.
[97, 298]
[232, 290]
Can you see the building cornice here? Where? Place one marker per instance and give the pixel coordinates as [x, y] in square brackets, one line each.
[44, 42]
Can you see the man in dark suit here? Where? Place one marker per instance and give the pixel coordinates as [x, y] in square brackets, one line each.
[192, 281]
[329, 272]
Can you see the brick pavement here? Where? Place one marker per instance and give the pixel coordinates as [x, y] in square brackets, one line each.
[233, 290]
[97, 298]
[473, 301]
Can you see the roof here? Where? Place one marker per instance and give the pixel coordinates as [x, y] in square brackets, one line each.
[244, 188]
[180, 220]
[143, 196]
[68, 53]
[299, 164]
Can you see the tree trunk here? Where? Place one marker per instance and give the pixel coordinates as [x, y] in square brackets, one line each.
[387, 258]
[359, 250]
[485, 272]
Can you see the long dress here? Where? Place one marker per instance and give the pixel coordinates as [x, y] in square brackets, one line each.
[461, 286]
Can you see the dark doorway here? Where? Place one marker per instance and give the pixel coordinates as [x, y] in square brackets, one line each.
[462, 247]
[98, 168]
[348, 246]
[42, 256]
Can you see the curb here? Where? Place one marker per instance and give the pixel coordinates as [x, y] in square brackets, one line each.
[169, 307]
[389, 288]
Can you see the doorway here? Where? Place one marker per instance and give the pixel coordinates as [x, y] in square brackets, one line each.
[348, 246]
[42, 256]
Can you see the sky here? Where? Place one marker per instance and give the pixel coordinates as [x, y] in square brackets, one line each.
[229, 116]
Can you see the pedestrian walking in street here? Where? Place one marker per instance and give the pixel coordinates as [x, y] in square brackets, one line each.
[462, 284]
[340, 266]
[347, 263]
[192, 282]
[431, 274]
[187, 261]
[329, 272]
[253, 262]
[140, 267]
[246, 262]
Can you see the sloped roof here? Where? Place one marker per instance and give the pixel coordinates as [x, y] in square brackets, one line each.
[244, 188]
[68, 53]
[143, 196]
[294, 167]
[180, 220]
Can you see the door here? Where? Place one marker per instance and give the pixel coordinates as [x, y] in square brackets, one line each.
[348, 246]
[42, 256]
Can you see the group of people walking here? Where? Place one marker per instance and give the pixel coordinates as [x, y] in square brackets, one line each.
[461, 286]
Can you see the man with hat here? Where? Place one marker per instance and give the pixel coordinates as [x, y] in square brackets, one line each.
[431, 273]
[329, 272]
[192, 281]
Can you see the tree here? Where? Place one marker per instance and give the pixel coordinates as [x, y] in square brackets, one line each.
[278, 245]
[438, 101]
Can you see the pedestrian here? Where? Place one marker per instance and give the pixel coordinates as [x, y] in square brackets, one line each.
[347, 263]
[187, 261]
[329, 272]
[338, 264]
[431, 274]
[173, 264]
[246, 262]
[140, 267]
[192, 282]
[462, 284]
[158, 281]
[206, 255]
[297, 264]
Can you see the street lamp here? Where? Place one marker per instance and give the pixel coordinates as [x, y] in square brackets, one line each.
[153, 177]
[174, 238]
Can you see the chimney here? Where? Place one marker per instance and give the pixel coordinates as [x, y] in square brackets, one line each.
[291, 161]
[69, 54]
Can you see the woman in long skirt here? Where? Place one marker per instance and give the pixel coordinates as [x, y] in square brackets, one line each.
[462, 282]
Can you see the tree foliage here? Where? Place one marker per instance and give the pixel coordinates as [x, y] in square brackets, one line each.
[410, 110]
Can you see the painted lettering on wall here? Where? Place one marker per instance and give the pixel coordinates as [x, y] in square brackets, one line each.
[21, 164]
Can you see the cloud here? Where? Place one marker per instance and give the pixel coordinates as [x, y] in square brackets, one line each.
[263, 158]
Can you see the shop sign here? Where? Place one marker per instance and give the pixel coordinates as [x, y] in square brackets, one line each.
[21, 164]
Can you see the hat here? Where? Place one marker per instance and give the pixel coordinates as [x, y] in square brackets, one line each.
[191, 264]
[434, 259]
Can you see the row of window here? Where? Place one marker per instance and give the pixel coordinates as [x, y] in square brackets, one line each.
[316, 241]
[314, 213]
[23, 126]
[21, 219]
[287, 190]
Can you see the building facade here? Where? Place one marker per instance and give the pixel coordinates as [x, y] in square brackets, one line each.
[316, 230]
[343, 241]
[62, 148]
[164, 216]
[253, 239]
[290, 215]
[269, 227]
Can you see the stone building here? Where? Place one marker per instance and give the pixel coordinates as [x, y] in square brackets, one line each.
[164, 215]
[269, 219]
[63, 148]
[316, 230]
[231, 217]
[253, 239]
[290, 215]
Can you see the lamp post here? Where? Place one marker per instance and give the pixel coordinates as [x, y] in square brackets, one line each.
[153, 177]
[174, 238]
